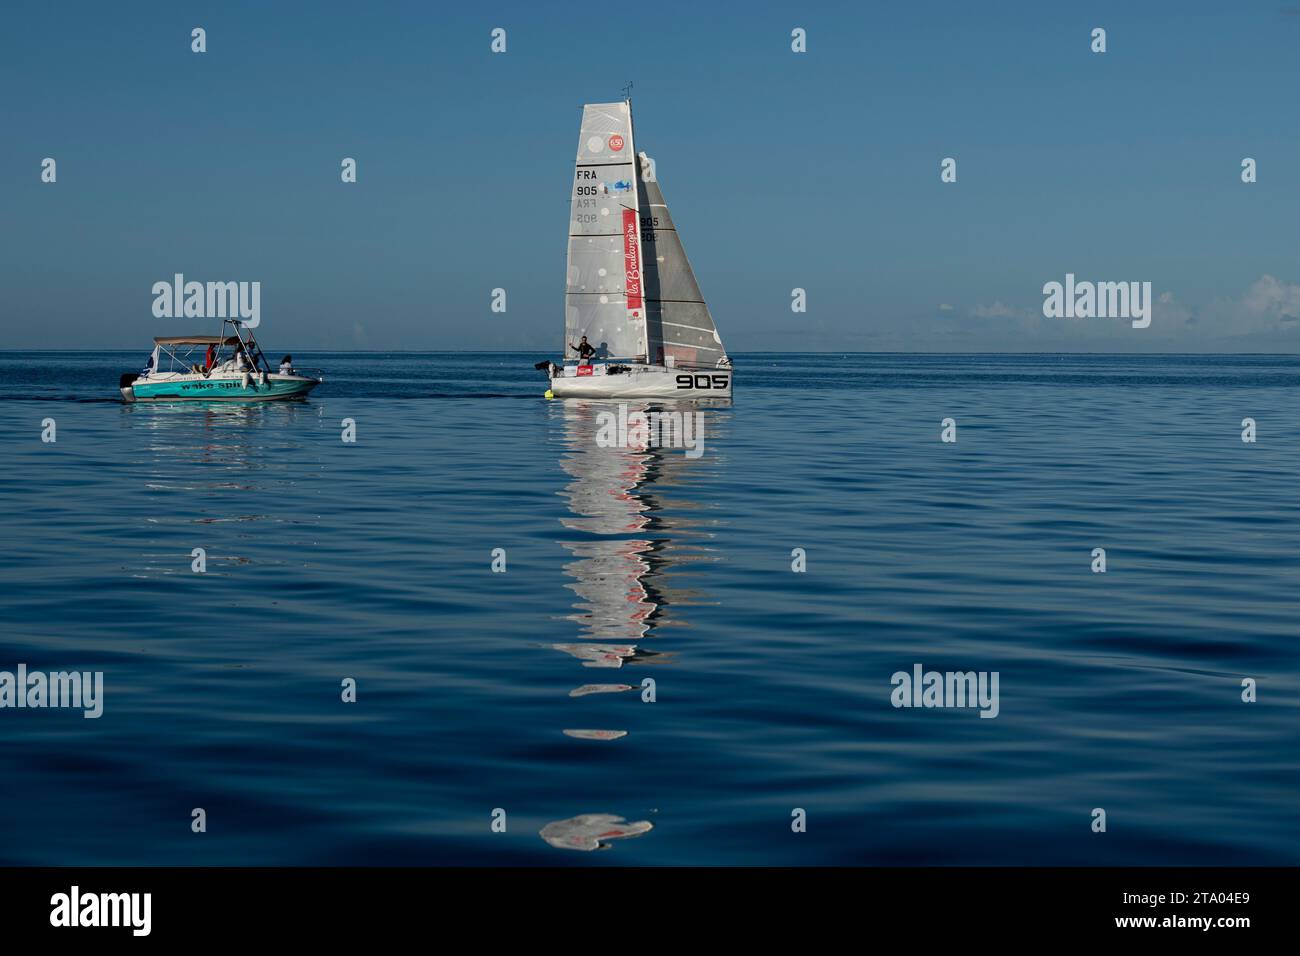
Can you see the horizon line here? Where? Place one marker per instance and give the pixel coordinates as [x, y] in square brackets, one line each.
[754, 352]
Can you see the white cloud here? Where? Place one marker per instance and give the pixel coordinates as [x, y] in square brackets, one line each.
[1274, 299]
[999, 311]
[1266, 315]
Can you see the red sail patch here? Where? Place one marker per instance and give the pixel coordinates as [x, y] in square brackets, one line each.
[632, 260]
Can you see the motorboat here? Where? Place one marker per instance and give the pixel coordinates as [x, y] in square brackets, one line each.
[229, 367]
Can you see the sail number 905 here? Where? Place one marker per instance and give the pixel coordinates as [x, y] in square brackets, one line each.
[702, 381]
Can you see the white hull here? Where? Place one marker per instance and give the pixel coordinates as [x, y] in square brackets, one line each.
[644, 381]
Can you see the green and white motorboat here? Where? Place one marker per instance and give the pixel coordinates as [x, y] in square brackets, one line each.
[230, 367]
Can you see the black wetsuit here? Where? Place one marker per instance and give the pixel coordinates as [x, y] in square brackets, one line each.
[585, 350]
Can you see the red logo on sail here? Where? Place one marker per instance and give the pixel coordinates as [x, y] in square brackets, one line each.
[615, 143]
[632, 261]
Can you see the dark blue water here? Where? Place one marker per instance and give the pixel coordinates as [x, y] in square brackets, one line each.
[372, 561]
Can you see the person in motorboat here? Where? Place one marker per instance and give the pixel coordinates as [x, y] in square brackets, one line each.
[286, 365]
[243, 367]
[586, 351]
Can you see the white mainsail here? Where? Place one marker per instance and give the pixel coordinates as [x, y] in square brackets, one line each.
[605, 288]
[678, 324]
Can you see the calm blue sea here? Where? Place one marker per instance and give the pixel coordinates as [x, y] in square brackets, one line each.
[373, 561]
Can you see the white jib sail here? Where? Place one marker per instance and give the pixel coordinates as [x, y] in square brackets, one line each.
[604, 296]
[679, 327]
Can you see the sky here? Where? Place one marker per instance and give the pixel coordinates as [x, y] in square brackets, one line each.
[817, 170]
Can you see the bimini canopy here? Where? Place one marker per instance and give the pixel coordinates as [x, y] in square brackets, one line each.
[195, 340]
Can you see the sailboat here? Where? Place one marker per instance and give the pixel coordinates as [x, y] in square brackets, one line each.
[631, 296]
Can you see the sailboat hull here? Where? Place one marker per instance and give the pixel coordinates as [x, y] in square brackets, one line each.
[643, 382]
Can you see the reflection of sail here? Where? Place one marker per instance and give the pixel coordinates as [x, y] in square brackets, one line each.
[619, 562]
[625, 544]
[608, 580]
[592, 831]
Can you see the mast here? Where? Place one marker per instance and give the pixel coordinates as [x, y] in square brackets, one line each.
[637, 247]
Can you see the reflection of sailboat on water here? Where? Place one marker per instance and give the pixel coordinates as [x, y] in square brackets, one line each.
[622, 563]
[627, 546]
